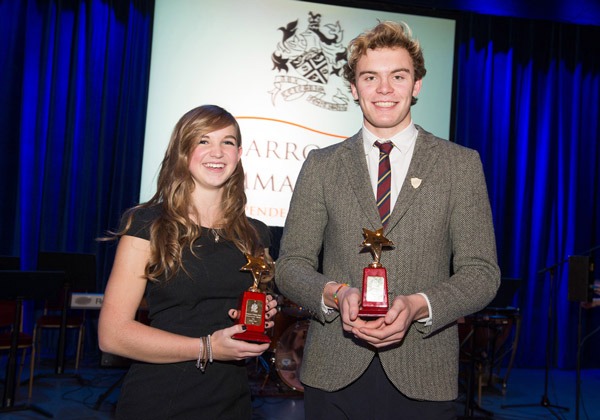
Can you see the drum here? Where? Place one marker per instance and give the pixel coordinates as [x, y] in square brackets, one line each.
[492, 328]
[487, 338]
[289, 352]
[282, 322]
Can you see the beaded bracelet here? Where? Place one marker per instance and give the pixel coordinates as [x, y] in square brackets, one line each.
[335, 294]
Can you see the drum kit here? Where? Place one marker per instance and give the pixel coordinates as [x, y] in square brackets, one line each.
[487, 338]
[287, 345]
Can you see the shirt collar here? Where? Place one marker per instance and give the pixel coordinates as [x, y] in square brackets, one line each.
[403, 140]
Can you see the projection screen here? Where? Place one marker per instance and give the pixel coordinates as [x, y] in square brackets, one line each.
[276, 66]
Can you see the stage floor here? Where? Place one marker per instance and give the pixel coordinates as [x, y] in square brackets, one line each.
[87, 394]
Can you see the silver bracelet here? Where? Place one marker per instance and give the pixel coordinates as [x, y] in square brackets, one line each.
[210, 355]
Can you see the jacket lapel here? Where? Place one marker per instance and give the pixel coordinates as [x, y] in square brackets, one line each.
[355, 164]
[423, 160]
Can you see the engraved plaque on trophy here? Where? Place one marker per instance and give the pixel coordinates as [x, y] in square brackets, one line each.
[375, 286]
[253, 303]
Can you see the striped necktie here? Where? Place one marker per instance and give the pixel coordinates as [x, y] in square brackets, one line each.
[384, 181]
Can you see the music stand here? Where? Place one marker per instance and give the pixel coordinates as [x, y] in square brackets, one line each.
[18, 286]
[80, 272]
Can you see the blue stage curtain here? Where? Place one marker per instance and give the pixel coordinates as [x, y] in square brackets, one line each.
[74, 82]
[72, 117]
[528, 97]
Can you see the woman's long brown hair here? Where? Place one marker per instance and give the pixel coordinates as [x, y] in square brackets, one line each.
[174, 229]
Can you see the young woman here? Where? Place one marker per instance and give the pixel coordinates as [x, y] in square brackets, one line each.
[182, 252]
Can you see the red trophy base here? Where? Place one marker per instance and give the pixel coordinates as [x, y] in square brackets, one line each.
[252, 314]
[374, 292]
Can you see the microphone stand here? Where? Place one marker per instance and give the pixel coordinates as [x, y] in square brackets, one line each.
[545, 401]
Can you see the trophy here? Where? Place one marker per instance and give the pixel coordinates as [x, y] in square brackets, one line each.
[253, 303]
[374, 288]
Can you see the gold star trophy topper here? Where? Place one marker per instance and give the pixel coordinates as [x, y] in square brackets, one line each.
[259, 269]
[374, 289]
[253, 302]
[375, 241]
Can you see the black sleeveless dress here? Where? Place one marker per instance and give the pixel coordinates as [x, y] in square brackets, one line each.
[193, 305]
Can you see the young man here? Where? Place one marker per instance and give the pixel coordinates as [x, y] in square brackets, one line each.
[442, 265]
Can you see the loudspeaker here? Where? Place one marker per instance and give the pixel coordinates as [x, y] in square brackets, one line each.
[580, 279]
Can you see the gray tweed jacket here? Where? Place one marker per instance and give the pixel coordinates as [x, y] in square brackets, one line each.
[442, 230]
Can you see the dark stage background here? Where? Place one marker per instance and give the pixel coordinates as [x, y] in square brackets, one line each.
[74, 83]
